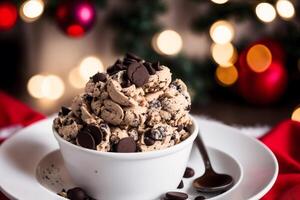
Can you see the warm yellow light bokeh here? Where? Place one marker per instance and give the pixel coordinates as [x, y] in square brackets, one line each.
[219, 1]
[259, 58]
[46, 87]
[53, 87]
[90, 66]
[285, 9]
[168, 42]
[34, 86]
[221, 32]
[75, 79]
[265, 12]
[296, 115]
[31, 10]
[226, 76]
[224, 54]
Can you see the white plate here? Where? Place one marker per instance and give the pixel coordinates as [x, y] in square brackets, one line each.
[20, 156]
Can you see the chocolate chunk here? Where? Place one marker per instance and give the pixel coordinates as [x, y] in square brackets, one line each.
[148, 140]
[126, 145]
[199, 198]
[181, 185]
[77, 194]
[99, 77]
[95, 132]
[138, 74]
[156, 66]
[132, 56]
[65, 111]
[111, 70]
[149, 67]
[179, 128]
[176, 196]
[120, 67]
[85, 139]
[128, 61]
[189, 172]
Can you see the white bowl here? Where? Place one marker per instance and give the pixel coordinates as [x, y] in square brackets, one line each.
[127, 176]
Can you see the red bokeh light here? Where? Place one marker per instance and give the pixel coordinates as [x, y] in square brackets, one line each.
[75, 30]
[8, 15]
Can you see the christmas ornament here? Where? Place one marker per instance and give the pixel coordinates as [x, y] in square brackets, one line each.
[263, 87]
[75, 18]
[8, 15]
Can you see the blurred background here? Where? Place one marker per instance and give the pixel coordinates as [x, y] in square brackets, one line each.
[239, 58]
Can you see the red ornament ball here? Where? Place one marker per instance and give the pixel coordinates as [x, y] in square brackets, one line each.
[75, 18]
[262, 87]
[8, 15]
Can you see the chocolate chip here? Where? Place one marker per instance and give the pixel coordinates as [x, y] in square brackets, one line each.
[95, 132]
[77, 194]
[132, 56]
[156, 66]
[199, 198]
[111, 70]
[89, 98]
[181, 185]
[189, 172]
[149, 67]
[120, 67]
[99, 77]
[179, 128]
[85, 139]
[138, 74]
[176, 196]
[126, 145]
[128, 61]
[147, 139]
[65, 111]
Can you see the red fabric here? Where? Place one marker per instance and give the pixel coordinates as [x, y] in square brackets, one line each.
[283, 140]
[14, 112]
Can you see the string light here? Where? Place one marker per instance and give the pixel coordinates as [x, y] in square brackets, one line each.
[34, 86]
[226, 76]
[221, 32]
[224, 54]
[265, 12]
[259, 58]
[75, 79]
[31, 10]
[285, 9]
[296, 114]
[53, 87]
[45, 87]
[168, 42]
[90, 66]
[219, 1]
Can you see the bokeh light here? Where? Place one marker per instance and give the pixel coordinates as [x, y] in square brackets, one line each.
[53, 87]
[46, 87]
[75, 78]
[219, 1]
[8, 15]
[34, 86]
[31, 10]
[285, 9]
[168, 42]
[265, 12]
[221, 32]
[226, 76]
[296, 114]
[224, 54]
[259, 58]
[90, 66]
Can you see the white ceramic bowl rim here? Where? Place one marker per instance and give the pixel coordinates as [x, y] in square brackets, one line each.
[136, 155]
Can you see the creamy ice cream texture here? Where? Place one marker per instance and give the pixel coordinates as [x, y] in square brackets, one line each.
[134, 107]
